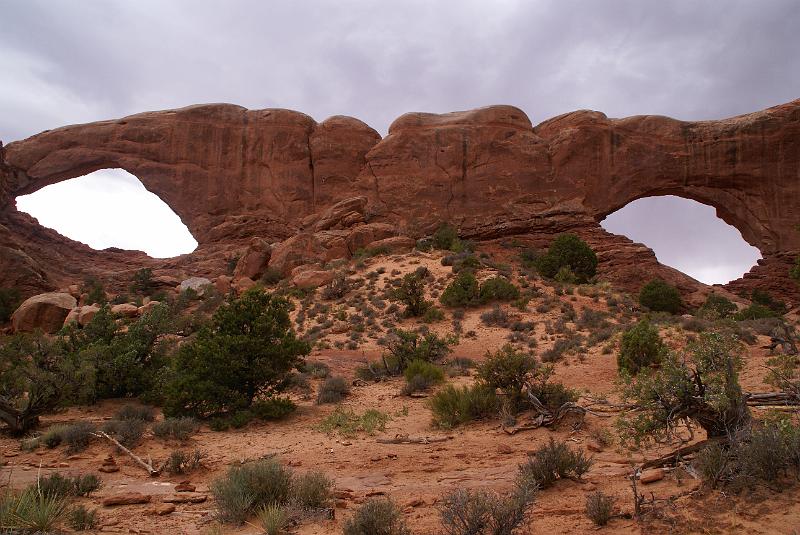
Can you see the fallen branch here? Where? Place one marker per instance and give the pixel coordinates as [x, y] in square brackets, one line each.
[672, 458]
[771, 398]
[147, 466]
[405, 439]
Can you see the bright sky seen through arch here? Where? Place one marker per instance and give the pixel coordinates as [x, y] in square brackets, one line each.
[72, 62]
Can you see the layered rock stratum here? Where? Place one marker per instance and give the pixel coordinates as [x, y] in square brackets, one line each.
[276, 185]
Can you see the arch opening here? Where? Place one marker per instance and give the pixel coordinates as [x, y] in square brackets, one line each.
[110, 208]
[686, 235]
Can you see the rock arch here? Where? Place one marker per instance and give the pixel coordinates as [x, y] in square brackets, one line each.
[232, 173]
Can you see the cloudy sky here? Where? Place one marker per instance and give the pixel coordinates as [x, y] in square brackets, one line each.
[66, 61]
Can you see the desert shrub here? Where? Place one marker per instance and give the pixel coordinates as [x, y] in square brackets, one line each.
[406, 346]
[478, 512]
[550, 394]
[495, 317]
[565, 276]
[176, 428]
[599, 507]
[82, 519]
[273, 408]
[498, 288]
[553, 461]
[58, 486]
[460, 366]
[755, 312]
[312, 490]
[411, 293]
[701, 387]
[463, 291]
[562, 346]
[136, 412]
[569, 251]
[31, 511]
[337, 288]
[507, 369]
[247, 488]
[641, 347]
[659, 296]
[181, 462]
[445, 237]
[719, 305]
[333, 390]
[452, 406]
[377, 516]
[762, 297]
[316, 369]
[420, 375]
[592, 320]
[347, 423]
[432, 315]
[271, 277]
[252, 340]
[143, 283]
[273, 518]
[78, 436]
[95, 293]
[9, 301]
[36, 378]
[127, 432]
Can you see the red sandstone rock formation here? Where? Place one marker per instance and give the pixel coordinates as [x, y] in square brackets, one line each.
[232, 174]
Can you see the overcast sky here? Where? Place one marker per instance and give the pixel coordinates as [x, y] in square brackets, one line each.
[67, 61]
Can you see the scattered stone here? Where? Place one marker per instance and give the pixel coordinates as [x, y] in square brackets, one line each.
[505, 449]
[184, 486]
[185, 498]
[126, 310]
[126, 498]
[163, 509]
[253, 262]
[44, 311]
[198, 284]
[592, 446]
[308, 277]
[651, 476]
[415, 502]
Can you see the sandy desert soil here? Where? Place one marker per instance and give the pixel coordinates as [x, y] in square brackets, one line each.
[417, 475]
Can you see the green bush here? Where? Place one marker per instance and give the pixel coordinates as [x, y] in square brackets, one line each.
[82, 519]
[273, 408]
[569, 251]
[480, 512]
[252, 340]
[755, 312]
[508, 369]
[418, 367]
[58, 486]
[432, 315]
[273, 518]
[176, 428]
[761, 297]
[9, 301]
[127, 432]
[641, 346]
[553, 461]
[312, 490]
[599, 507]
[463, 291]
[143, 283]
[445, 237]
[377, 516]
[333, 390]
[406, 346]
[452, 406]
[794, 272]
[95, 293]
[136, 412]
[498, 288]
[31, 511]
[180, 462]
[700, 387]
[247, 488]
[347, 423]
[659, 296]
[78, 436]
[719, 305]
[411, 292]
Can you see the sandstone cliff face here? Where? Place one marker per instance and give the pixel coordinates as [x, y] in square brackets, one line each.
[232, 174]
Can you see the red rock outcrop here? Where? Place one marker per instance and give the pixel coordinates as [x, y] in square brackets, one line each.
[232, 174]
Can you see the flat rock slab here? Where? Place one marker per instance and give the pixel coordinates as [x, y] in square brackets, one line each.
[126, 498]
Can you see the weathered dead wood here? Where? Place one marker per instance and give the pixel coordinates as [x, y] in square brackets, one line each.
[405, 439]
[673, 457]
[771, 398]
[147, 466]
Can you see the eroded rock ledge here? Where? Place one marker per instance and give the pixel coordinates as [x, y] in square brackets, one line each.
[234, 174]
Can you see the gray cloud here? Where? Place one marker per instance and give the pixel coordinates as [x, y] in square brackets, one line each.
[67, 62]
